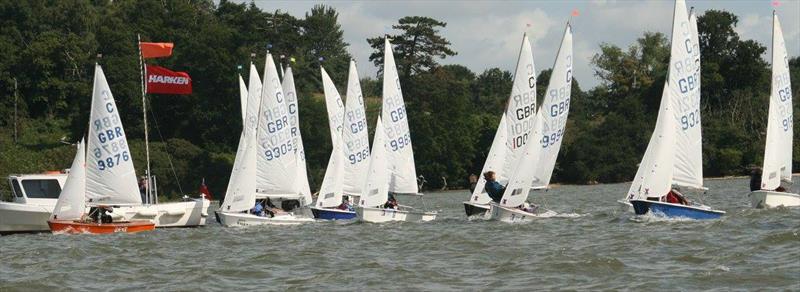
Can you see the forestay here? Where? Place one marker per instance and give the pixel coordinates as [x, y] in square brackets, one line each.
[297, 137]
[71, 202]
[276, 157]
[111, 177]
[684, 80]
[494, 162]
[778, 150]
[553, 112]
[400, 156]
[376, 187]
[355, 136]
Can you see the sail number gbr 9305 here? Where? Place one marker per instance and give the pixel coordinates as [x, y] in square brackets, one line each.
[112, 150]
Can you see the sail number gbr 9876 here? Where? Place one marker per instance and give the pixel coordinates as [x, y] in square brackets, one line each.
[112, 150]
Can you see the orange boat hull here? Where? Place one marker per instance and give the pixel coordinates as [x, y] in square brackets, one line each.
[77, 227]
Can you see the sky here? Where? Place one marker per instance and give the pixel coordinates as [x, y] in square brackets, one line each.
[487, 34]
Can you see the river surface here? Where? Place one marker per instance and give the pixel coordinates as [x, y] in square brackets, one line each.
[595, 246]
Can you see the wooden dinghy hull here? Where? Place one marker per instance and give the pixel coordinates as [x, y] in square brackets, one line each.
[77, 227]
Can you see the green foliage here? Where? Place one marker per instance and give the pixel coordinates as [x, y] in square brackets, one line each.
[417, 46]
[50, 48]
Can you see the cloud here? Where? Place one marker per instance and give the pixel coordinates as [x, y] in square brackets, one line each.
[488, 33]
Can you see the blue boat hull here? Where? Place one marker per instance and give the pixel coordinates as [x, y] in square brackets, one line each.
[641, 207]
[333, 214]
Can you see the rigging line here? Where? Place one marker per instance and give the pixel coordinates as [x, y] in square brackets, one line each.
[171, 166]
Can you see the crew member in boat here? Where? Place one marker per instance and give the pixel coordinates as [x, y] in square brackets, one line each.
[258, 209]
[493, 188]
[391, 203]
[675, 197]
[271, 209]
[345, 205]
[99, 214]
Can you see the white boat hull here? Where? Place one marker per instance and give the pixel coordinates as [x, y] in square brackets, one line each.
[16, 217]
[625, 205]
[513, 215]
[772, 199]
[380, 215]
[178, 214]
[477, 211]
[230, 219]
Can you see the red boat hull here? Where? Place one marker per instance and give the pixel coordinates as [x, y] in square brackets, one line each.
[77, 227]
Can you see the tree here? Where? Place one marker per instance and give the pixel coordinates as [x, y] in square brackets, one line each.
[416, 48]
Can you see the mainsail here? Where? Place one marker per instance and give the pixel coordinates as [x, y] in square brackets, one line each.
[684, 80]
[554, 111]
[276, 157]
[72, 201]
[355, 136]
[400, 156]
[243, 98]
[778, 150]
[111, 177]
[515, 125]
[297, 137]
[376, 191]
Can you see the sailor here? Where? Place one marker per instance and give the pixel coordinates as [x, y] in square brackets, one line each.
[493, 188]
[391, 203]
[258, 209]
[676, 197]
[345, 205]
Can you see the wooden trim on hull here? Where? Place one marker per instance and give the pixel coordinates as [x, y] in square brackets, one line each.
[77, 227]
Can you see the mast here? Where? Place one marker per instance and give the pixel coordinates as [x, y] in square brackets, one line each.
[143, 71]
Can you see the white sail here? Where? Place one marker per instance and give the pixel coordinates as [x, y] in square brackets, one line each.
[276, 157]
[297, 141]
[243, 98]
[400, 156]
[253, 100]
[71, 202]
[355, 136]
[330, 192]
[376, 188]
[654, 176]
[554, 111]
[334, 104]
[521, 110]
[494, 162]
[521, 178]
[111, 177]
[241, 191]
[778, 150]
[684, 81]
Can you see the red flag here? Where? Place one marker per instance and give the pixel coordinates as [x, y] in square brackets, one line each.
[575, 12]
[165, 81]
[204, 190]
[156, 50]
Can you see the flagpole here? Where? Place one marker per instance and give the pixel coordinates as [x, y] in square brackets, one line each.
[143, 71]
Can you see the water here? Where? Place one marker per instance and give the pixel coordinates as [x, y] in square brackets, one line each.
[602, 248]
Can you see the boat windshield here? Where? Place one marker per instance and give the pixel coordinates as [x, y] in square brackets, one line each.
[41, 188]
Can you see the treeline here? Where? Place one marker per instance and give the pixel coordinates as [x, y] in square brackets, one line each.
[49, 48]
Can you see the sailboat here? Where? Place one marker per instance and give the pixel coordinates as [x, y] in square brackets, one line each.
[776, 175]
[347, 167]
[108, 180]
[673, 160]
[516, 126]
[391, 166]
[265, 172]
[535, 168]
